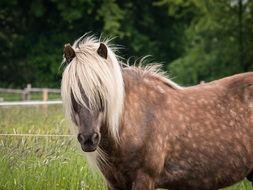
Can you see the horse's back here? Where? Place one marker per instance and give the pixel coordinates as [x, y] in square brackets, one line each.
[236, 90]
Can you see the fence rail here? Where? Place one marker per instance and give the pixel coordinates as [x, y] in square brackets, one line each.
[50, 90]
[7, 90]
[30, 103]
[27, 92]
[35, 135]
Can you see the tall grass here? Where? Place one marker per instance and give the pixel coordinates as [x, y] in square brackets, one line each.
[41, 163]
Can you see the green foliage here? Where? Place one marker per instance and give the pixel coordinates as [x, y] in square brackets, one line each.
[111, 15]
[33, 33]
[215, 48]
[195, 39]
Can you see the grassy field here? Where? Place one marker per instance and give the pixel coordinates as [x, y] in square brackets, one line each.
[53, 163]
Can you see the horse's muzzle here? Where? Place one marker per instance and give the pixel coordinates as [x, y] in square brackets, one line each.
[88, 143]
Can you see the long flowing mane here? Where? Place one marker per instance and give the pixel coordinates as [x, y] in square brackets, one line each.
[100, 80]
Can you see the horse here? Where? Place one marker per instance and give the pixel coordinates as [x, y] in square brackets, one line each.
[143, 131]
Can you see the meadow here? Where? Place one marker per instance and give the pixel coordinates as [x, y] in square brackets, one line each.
[53, 163]
[29, 162]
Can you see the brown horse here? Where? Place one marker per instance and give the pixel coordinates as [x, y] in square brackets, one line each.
[144, 132]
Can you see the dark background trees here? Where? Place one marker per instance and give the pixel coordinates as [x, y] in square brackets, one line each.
[194, 39]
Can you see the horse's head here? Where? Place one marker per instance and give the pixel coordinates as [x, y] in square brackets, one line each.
[89, 122]
[92, 90]
[86, 117]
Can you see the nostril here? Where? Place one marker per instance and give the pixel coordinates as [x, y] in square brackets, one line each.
[80, 137]
[95, 138]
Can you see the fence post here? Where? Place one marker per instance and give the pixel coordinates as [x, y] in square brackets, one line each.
[45, 94]
[26, 95]
[28, 89]
[23, 95]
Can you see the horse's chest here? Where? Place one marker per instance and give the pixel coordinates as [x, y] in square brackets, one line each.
[121, 173]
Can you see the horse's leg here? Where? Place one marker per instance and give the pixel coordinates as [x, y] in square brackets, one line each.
[143, 181]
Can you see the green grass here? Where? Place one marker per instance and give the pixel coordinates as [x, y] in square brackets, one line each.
[53, 163]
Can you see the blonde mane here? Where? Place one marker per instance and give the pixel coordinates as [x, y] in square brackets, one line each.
[98, 78]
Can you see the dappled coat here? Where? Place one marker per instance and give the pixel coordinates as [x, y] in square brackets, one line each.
[144, 132]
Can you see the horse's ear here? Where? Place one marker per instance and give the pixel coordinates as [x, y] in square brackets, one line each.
[102, 50]
[69, 53]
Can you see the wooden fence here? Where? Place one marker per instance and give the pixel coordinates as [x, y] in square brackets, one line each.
[26, 93]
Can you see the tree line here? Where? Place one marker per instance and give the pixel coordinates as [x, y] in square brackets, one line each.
[195, 40]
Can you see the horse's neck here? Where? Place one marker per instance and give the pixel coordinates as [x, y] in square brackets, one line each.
[136, 87]
[108, 143]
